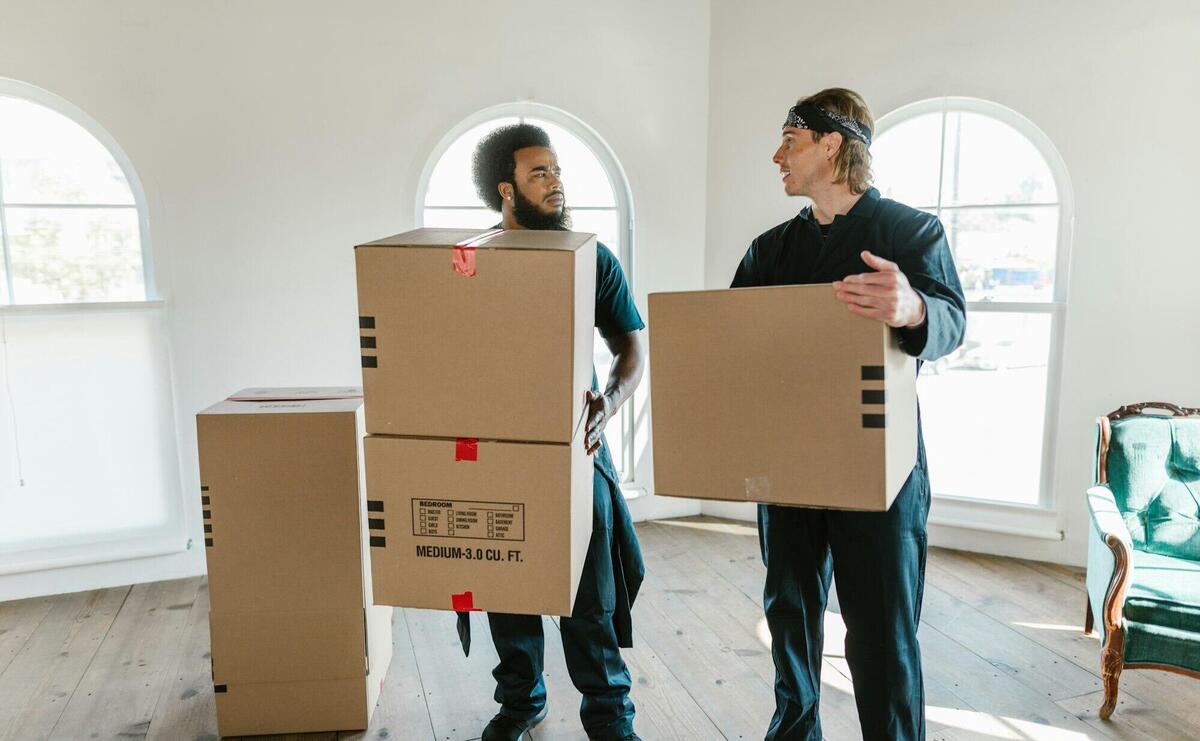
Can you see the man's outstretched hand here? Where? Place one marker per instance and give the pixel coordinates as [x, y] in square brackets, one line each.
[884, 295]
[599, 410]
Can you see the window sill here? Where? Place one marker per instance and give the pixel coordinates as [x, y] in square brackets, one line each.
[128, 548]
[1002, 518]
[633, 491]
[67, 308]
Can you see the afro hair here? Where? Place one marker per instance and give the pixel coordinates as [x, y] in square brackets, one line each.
[495, 158]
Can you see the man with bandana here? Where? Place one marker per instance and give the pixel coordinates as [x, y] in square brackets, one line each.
[890, 263]
[516, 173]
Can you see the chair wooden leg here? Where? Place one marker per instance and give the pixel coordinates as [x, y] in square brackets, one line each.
[1088, 621]
[1112, 660]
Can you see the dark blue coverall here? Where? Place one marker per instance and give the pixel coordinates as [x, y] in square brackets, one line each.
[877, 558]
[600, 624]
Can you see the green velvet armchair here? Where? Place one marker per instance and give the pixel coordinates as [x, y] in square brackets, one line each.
[1143, 576]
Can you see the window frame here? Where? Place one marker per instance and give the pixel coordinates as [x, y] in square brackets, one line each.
[959, 504]
[10, 88]
[617, 179]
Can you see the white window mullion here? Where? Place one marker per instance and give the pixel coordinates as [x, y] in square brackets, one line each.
[8, 276]
[942, 167]
[1012, 307]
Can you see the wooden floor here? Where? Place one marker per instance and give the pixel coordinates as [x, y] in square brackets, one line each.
[1003, 652]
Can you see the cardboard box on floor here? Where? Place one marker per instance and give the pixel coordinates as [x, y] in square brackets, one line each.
[486, 525]
[491, 339]
[297, 645]
[779, 395]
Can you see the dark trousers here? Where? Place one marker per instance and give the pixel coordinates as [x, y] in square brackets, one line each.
[878, 561]
[589, 642]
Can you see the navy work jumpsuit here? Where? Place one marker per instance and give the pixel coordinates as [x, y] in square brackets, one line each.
[878, 558]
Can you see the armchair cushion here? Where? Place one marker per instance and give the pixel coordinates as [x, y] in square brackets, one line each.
[1156, 644]
[1165, 592]
[1154, 472]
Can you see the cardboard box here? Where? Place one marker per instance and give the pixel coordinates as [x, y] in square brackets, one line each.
[492, 340]
[779, 395]
[487, 525]
[297, 645]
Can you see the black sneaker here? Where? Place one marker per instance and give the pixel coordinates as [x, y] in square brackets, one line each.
[504, 728]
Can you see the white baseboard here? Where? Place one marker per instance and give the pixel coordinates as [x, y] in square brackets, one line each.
[102, 575]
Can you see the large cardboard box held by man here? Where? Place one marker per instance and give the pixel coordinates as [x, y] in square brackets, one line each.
[486, 525]
[469, 334]
[779, 395]
[297, 645]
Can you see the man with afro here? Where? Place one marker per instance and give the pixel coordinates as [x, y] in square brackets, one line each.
[517, 174]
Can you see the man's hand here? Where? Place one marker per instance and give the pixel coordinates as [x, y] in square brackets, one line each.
[600, 408]
[884, 295]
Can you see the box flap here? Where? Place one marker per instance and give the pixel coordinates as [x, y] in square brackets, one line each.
[267, 401]
[297, 393]
[492, 239]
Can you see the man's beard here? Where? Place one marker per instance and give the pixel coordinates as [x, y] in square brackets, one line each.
[530, 216]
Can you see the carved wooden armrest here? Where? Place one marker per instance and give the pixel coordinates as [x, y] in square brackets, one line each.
[1107, 519]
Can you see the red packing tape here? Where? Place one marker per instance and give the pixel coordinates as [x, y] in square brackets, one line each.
[463, 260]
[464, 602]
[463, 253]
[466, 449]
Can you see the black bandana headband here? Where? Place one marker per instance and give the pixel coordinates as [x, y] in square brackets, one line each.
[815, 118]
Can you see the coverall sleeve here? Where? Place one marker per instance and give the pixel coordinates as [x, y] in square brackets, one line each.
[748, 270]
[923, 254]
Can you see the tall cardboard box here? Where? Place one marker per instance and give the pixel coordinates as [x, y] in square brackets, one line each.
[297, 644]
[486, 525]
[482, 335]
[779, 395]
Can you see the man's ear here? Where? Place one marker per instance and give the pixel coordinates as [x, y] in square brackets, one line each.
[506, 191]
[833, 143]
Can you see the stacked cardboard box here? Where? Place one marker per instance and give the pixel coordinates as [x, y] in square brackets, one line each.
[779, 395]
[476, 354]
[297, 644]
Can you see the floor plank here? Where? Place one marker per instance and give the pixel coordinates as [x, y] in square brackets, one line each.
[38, 682]
[1005, 649]
[733, 614]
[458, 689]
[186, 708]
[733, 696]
[18, 620]
[1134, 719]
[117, 695]
[402, 713]
[664, 708]
[1003, 654]
[1049, 613]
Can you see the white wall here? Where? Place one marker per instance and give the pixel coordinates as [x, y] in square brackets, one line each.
[1113, 86]
[273, 136]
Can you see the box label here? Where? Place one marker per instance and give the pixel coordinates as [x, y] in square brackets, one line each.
[457, 518]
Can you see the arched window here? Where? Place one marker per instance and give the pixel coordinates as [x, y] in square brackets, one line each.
[90, 470]
[597, 194]
[72, 216]
[1002, 192]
